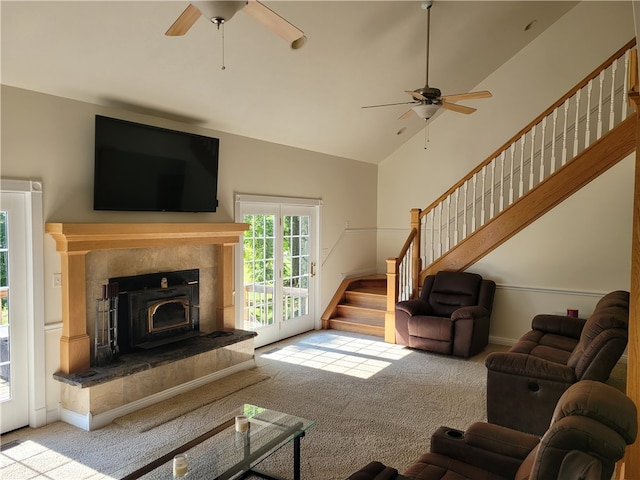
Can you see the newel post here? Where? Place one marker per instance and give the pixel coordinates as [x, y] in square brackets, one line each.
[392, 295]
[416, 265]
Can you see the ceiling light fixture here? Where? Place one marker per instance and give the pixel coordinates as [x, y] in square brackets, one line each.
[426, 110]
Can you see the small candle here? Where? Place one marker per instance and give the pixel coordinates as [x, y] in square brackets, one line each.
[242, 423]
[180, 467]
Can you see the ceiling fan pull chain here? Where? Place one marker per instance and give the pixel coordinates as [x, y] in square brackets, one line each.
[426, 133]
[223, 66]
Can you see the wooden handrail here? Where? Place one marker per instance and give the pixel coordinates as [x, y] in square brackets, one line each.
[530, 125]
[407, 243]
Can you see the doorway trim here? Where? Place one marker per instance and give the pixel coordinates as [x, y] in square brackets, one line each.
[32, 192]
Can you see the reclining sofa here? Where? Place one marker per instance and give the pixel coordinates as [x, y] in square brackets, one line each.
[525, 383]
[591, 427]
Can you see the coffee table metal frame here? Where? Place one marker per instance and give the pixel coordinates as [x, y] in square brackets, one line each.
[246, 466]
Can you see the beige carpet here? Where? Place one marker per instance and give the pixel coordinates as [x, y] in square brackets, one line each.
[155, 415]
[370, 400]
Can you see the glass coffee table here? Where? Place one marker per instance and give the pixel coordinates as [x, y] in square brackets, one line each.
[223, 453]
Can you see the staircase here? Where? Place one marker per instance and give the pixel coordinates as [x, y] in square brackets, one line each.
[578, 138]
[358, 306]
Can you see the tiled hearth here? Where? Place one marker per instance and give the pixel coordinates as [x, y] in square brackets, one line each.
[95, 397]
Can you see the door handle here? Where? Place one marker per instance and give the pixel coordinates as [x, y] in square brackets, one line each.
[313, 269]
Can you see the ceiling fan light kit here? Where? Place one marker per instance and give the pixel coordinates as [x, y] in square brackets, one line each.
[426, 110]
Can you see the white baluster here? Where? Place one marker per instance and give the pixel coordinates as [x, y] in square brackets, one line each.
[455, 235]
[448, 230]
[473, 203]
[493, 188]
[440, 229]
[484, 189]
[575, 140]
[626, 86]
[612, 111]
[565, 133]
[533, 151]
[600, 106]
[464, 211]
[523, 141]
[502, 180]
[542, 147]
[553, 142]
[432, 214]
[511, 155]
[587, 131]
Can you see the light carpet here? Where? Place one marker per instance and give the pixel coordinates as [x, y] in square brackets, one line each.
[155, 415]
[370, 401]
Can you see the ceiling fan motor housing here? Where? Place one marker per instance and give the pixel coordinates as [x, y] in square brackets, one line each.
[432, 94]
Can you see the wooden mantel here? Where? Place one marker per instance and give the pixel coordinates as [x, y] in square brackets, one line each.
[75, 240]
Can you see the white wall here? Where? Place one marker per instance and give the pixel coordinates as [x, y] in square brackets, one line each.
[582, 248]
[51, 139]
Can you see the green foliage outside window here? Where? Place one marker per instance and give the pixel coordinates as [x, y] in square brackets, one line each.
[259, 266]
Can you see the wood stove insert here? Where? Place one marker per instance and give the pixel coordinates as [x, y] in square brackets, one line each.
[157, 309]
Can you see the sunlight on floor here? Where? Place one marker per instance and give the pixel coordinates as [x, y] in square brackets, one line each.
[27, 459]
[356, 357]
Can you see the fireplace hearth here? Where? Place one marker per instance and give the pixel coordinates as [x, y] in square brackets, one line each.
[157, 309]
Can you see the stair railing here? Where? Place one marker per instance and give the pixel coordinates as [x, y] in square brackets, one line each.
[583, 115]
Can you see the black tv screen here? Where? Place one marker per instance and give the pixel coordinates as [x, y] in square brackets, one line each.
[144, 168]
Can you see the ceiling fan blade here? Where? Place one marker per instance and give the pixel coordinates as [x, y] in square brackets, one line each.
[416, 95]
[458, 108]
[389, 104]
[406, 114]
[466, 96]
[184, 22]
[276, 23]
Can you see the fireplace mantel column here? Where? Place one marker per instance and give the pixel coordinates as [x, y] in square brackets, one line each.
[225, 310]
[75, 343]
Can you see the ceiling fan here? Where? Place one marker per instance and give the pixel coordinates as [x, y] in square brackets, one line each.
[219, 12]
[429, 100]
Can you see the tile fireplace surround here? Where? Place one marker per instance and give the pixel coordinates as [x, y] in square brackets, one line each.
[93, 252]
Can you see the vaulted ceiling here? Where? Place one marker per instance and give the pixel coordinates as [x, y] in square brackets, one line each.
[357, 53]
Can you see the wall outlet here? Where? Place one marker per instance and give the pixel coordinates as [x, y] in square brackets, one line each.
[57, 280]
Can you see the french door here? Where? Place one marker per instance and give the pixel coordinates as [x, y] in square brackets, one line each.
[14, 373]
[22, 329]
[277, 274]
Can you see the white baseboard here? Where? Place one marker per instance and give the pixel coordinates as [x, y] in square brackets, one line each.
[53, 416]
[92, 422]
[38, 418]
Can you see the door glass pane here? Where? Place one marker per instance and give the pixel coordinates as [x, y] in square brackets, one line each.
[5, 361]
[296, 266]
[259, 275]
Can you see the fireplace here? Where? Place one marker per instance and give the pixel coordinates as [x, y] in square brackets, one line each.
[157, 309]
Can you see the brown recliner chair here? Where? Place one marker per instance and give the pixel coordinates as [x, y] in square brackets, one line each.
[591, 426]
[451, 316]
[558, 352]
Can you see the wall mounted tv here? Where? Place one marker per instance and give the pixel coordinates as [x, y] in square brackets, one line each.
[144, 168]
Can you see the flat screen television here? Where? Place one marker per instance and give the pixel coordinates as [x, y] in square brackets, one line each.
[144, 168]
